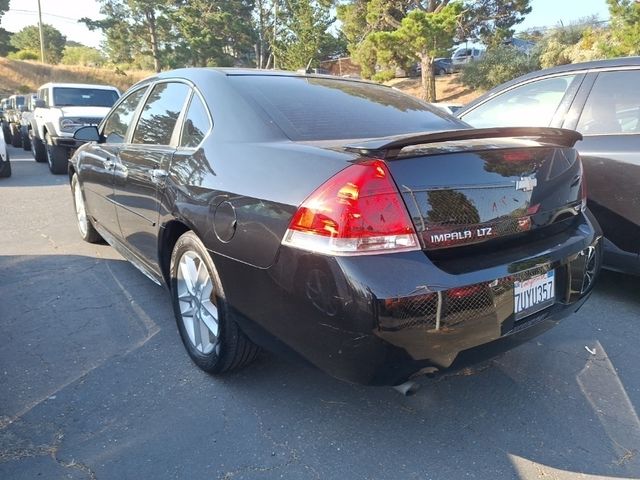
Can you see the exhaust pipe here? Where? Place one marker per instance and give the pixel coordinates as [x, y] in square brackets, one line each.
[407, 388]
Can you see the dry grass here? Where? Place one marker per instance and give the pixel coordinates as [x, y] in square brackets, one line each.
[27, 76]
[448, 89]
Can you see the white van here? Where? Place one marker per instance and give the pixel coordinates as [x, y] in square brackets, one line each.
[464, 55]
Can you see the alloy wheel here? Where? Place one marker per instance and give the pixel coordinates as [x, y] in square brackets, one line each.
[197, 309]
[81, 212]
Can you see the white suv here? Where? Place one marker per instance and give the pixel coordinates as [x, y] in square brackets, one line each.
[62, 108]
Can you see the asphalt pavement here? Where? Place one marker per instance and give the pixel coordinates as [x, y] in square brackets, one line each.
[95, 384]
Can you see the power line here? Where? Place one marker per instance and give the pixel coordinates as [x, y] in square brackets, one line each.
[45, 14]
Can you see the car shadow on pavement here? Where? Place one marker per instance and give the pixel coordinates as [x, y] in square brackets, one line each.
[96, 384]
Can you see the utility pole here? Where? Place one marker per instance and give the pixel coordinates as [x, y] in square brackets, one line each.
[275, 31]
[41, 32]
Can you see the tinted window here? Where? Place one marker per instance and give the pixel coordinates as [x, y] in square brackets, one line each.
[84, 97]
[19, 101]
[117, 123]
[160, 114]
[323, 109]
[613, 105]
[531, 105]
[196, 124]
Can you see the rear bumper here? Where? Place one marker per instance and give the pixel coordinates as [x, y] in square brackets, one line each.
[368, 319]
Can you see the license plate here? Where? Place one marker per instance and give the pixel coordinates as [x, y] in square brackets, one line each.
[534, 294]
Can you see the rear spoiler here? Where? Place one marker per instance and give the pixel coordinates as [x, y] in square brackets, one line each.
[390, 147]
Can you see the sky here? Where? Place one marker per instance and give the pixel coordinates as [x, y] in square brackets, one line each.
[64, 15]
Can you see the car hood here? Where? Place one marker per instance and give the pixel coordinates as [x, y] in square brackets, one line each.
[100, 112]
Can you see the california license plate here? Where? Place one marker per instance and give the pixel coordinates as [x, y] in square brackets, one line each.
[534, 294]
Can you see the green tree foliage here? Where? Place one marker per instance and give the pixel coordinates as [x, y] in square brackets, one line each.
[82, 55]
[302, 38]
[625, 28]
[29, 39]
[5, 42]
[492, 21]
[24, 55]
[499, 65]
[135, 28]
[579, 41]
[214, 33]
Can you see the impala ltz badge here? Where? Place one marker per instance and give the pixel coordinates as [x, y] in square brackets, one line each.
[526, 184]
[448, 238]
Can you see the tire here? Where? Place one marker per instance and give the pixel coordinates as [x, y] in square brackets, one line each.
[26, 142]
[38, 150]
[85, 225]
[5, 167]
[227, 347]
[7, 133]
[441, 71]
[56, 157]
[16, 137]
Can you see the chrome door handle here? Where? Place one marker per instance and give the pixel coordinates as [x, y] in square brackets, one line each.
[109, 164]
[158, 174]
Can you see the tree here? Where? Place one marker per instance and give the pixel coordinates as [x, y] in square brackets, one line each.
[491, 21]
[302, 38]
[134, 27]
[214, 33]
[29, 39]
[82, 55]
[625, 27]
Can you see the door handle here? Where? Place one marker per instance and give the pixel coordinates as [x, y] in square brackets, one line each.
[158, 174]
[109, 164]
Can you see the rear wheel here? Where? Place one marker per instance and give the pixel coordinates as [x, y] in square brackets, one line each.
[85, 226]
[38, 150]
[56, 156]
[212, 338]
[16, 137]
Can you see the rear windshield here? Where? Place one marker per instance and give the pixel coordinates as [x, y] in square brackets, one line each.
[83, 97]
[19, 101]
[328, 109]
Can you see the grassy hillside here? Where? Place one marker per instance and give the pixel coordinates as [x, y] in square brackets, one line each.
[448, 89]
[26, 76]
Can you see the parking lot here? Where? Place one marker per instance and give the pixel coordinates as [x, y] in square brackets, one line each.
[96, 384]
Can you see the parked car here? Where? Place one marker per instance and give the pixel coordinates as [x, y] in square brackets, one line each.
[26, 119]
[61, 108]
[442, 66]
[602, 101]
[342, 221]
[463, 56]
[4, 122]
[5, 164]
[15, 106]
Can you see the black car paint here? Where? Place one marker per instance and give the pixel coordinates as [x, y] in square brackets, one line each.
[244, 183]
[611, 162]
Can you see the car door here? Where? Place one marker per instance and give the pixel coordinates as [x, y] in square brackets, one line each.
[97, 163]
[609, 120]
[142, 166]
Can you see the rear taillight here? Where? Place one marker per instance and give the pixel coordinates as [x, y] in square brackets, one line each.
[358, 211]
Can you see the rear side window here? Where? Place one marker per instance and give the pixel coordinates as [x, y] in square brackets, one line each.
[160, 114]
[118, 121]
[325, 109]
[530, 105]
[196, 124]
[613, 105]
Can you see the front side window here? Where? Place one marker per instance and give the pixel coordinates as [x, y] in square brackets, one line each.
[118, 121]
[531, 105]
[196, 124]
[613, 106]
[84, 97]
[160, 114]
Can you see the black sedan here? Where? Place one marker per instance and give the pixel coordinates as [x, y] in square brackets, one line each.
[601, 100]
[339, 221]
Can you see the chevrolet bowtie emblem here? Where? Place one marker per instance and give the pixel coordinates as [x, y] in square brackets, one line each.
[526, 184]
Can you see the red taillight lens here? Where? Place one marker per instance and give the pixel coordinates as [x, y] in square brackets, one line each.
[359, 210]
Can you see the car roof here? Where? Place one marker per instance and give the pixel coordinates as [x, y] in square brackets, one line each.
[76, 85]
[569, 68]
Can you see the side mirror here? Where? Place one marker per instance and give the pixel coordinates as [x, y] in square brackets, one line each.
[88, 133]
[39, 103]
